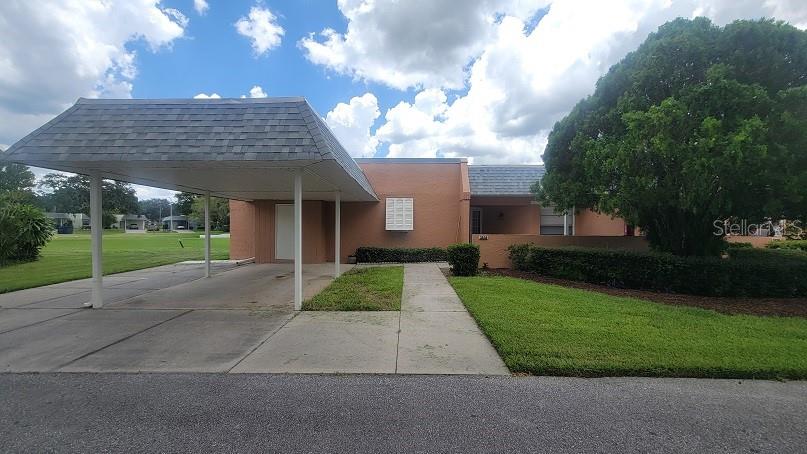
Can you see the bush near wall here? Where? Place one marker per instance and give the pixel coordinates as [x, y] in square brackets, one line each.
[800, 245]
[463, 259]
[745, 273]
[369, 254]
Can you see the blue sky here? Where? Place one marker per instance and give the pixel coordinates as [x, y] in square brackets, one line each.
[480, 79]
[213, 58]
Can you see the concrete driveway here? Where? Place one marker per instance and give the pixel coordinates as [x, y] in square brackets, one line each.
[167, 318]
[171, 319]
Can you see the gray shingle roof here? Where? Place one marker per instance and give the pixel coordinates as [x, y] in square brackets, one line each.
[503, 179]
[275, 129]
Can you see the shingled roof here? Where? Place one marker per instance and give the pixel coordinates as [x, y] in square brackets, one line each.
[503, 180]
[145, 132]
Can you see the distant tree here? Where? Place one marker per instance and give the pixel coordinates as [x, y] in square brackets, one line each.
[701, 123]
[17, 183]
[155, 209]
[219, 213]
[71, 194]
[184, 203]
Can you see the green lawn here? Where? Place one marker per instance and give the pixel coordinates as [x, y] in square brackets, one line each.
[361, 289]
[67, 257]
[551, 330]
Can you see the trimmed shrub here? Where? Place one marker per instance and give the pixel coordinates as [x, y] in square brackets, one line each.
[747, 272]
[24, 230]
[518, 256]
[464, 259]
[370, 254]
[800, 245]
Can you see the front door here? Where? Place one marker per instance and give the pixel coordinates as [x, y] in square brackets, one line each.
[284, 232]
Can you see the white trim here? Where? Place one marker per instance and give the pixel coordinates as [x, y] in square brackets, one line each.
[96, 240]
[298, 239]
[337, 228]
[207, 234]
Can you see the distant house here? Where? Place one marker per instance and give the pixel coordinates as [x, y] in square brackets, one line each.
[66, 222]
[131, 223]
[178, 222]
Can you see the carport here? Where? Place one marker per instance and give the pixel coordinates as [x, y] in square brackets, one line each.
[241, 149]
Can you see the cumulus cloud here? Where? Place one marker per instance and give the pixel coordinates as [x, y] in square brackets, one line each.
[200, 6]
[415, 43]
[53, 52]
[519, 80]
[257, 92]
[351, 124]
[261, 27]
[206, 96]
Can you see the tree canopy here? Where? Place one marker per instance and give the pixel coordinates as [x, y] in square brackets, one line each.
[700, 123]
[71, 194]
[219, 212]
[155, 209]
[17, 183]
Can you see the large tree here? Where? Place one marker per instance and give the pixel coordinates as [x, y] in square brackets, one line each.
[17, 183]
[155, 209]
[71, 194]
[219, 212]
[701, 123]
[184, 203]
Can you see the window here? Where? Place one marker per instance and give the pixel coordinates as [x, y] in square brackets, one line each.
[400, 213]
[476, 220]
[552, 222]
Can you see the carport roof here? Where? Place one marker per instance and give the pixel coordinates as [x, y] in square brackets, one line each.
[235, 148]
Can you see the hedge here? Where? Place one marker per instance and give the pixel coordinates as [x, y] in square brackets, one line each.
[800, 245]
[745, 273]
[369, 254]
[463, 259]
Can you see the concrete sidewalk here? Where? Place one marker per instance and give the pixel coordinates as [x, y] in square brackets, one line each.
[432, 334]
[170, 319]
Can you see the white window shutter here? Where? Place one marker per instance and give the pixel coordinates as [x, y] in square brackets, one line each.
[400, 213]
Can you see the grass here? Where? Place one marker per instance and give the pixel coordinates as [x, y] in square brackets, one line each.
[551, 330]
[67, 257]
[361, 289]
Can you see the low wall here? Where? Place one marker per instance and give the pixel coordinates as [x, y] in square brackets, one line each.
[493, 250]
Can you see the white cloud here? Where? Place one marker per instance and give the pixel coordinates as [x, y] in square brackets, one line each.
[261, 27]
[200, 6]
[524, 79]
[413, 43]
[206, 96]
[53, 52]
[351, 123]
[257, 92]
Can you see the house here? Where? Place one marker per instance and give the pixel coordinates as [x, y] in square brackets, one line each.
[178, 222]
[131, 223]
[421, 203]
[297, 195]
[67, 222]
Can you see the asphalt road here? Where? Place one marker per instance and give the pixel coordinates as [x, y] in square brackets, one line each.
[290, 413]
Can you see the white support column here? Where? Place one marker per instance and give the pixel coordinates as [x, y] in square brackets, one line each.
[337, 228]
[298, 240]
[574, 227]
[565, 223]
[207, 234]
[96, 236]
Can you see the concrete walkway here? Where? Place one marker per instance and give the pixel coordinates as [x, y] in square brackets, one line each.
[432, 334]
[170, 319]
